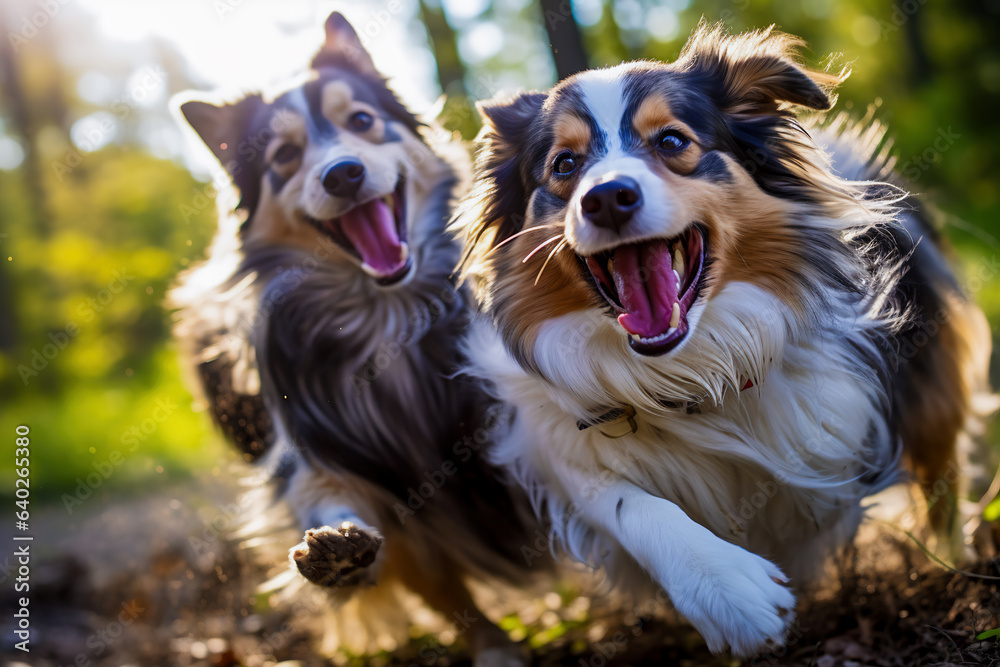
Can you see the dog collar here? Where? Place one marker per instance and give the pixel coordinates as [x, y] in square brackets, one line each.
[620, 417]
[619, 422]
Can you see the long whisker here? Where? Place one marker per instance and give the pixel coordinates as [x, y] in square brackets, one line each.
[557, 248]
[520, 233]
[544, 243]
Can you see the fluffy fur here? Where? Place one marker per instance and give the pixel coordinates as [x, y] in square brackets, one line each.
[715, 435]
[327, 337]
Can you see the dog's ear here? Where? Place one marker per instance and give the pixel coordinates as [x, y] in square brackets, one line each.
[495, 207]
[754, 79]
[221, 126]
[754, 72]
[343, 46]
[501, 170]
[507, 119]
[226, 128]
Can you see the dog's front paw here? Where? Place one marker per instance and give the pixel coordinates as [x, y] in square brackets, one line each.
[338, 556]
[735, 599]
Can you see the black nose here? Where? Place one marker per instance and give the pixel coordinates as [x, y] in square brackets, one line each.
[344, 178]
[611, 204]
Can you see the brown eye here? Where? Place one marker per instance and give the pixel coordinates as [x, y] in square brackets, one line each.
[671, 141]
[286, 154]
[564, 164]
[360, 121]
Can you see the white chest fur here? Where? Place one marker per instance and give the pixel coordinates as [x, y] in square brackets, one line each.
[778, 469]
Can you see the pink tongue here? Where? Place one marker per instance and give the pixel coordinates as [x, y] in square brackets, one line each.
[646, 286]
[372, 230]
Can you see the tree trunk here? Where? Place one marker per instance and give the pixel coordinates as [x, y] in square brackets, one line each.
[565, 39]
[22, 121]
[450, 69]
[13, 95]
[920, 62]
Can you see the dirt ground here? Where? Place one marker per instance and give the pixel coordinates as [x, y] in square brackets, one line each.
[159, 581]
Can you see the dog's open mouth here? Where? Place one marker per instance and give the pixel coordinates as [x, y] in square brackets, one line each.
[651, 286]
[375, 233]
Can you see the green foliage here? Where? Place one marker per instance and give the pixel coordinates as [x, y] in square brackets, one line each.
[989, 634]
[992, 511]
[93, 371]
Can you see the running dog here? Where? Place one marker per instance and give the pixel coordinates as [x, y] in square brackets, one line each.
[326, 334]
[715, 341]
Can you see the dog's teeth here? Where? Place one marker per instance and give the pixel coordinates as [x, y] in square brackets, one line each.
[678, 277]
[611, 267]
[654, 339]
[404, 250]
[678, 262]
[675, 317]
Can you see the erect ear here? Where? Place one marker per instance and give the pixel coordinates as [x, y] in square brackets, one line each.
[221, 126]
[343, 47]
[754, 72]
[226, 128]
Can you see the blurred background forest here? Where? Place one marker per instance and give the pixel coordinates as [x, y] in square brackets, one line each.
[104, 199]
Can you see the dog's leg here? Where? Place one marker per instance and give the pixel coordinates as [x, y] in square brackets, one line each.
[339, 549]
[734, 598]
[341, 556]
[442, 588]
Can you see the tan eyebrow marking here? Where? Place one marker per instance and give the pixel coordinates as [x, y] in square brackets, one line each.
[572, 132]
[288, 122]
[654, 114]
[287, 125]
[336, 99]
